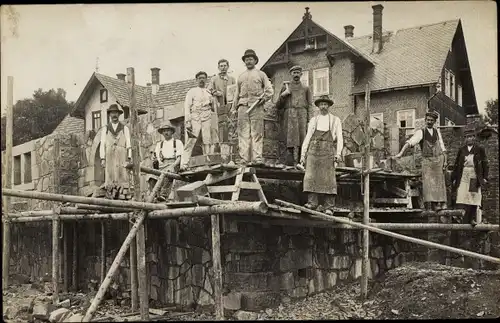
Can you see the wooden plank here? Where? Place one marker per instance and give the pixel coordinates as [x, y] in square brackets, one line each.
[55, 257]
[74, 262]
[189, 191]
[284, 209]
[408, 197]
[250, 185]
[214, 179]
[262, 196]
[177, 204]
[221, 189]
[389, 201]
[395, 190]
[236, 194]
[366, 197]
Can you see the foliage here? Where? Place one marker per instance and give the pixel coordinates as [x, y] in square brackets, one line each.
[491, 111]
[37, 116]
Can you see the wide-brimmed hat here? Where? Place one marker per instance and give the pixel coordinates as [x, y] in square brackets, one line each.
[166, 125]
[432, 114]
[250, 53]
[295, 68]
[114, 108]
[324, 98]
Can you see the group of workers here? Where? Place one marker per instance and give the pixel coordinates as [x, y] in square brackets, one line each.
[313, 140]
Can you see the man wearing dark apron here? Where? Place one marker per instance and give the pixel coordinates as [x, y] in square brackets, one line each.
[434, 162]
[320, 153]
[470, 175]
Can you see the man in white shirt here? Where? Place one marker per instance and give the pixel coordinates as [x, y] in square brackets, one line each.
[321, 151]
[167, 155]
[115, 149]
[434, 162]
[198, 113]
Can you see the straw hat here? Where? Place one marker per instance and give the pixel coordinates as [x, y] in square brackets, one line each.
[166, 125]
[114, 108]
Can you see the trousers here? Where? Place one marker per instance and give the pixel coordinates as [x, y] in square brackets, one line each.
[250, 134]
[328, 199]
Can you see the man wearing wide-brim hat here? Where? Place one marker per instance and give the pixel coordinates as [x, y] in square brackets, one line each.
[470, 174]
[294, 105]
[166, 157]
[321, 151]
[115, 151]
[253, 86]
[434, 161]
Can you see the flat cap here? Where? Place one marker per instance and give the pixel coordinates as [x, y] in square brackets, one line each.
[295, 68]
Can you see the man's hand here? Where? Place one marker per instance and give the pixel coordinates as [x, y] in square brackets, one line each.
[303, 160]
[285, 93]
[103, 162]
[217, 93]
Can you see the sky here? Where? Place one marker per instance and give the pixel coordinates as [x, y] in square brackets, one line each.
[60, 46]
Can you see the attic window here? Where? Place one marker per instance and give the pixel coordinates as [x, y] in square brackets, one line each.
[104, 95]
[311, 43]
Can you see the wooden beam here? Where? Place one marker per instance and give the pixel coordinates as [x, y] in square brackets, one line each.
[221, 189]
[366, 196]
[74, 263]
[381, 200]
[249, 186]
[217, 267]
[395, 190]
[65, 257]
[55, 257]
[8, 183]
[260, 192]
[212, 179]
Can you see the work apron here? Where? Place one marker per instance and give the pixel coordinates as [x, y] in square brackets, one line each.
[116, 155]
[433, 182]
[320, 169]
[469, 192]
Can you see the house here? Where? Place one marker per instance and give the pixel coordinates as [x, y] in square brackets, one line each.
[404, 69]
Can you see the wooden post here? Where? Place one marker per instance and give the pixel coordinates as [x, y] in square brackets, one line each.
[217, 267]
[140, 239]
[55, 256]
[134, 297]
[74, 268]
[8, 183]
[65, 257]
[366, 196]
[103, 250]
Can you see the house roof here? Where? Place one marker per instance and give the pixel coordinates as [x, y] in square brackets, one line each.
[173, 93]
[410, 57]
[70, 125]
[117, 87]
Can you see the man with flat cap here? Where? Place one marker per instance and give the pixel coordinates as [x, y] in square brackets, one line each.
[321, 151]
[115, 151]
[294, 105]
[198, 114]
[167, 157]
[434, 162]
[253, 86]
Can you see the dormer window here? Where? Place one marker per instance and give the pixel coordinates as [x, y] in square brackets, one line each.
[104, 95]
[311, 43]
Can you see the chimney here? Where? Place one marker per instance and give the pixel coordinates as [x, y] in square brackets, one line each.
[155, 76]
[377, 28]
[121, 76]
[349, 31]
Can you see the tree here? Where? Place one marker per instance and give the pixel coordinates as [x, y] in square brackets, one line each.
[38, 116]
[492, 111]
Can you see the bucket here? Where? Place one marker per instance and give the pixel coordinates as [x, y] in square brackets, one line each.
[356, 160]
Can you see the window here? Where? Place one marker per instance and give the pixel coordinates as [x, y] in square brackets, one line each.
[96, 120]
[27, 167]
[126, 112]
[17, 170]
[377, 120]
[449, 85]
[448, 122]
[305, 78]
[321, 81]
[159, 113]
[406, 118]
[104, 95]
[459, 95]
[311, 43]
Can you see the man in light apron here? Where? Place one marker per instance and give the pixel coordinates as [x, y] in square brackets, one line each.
[470, 174]
[434, 162]
[321, 150]
[115, 150]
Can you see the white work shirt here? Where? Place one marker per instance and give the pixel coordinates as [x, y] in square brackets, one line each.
[104, 131]
[167, 151]
[323, 122]
[333, 123]
[419, 135]
[197, 104]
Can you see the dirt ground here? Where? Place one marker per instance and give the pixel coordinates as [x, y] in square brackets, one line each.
[412, 291]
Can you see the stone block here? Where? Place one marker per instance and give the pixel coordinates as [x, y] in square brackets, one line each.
[331, 279]
[377, 252]
[302, 241]
[246, 316]
[287, 281]
[59, 315]
[389, 263]
[340, 262]
[296, 259]
[66, 303]
[299, 292]
[343, 275]
[356, 268]
[205, 299]
[310, 287]
[41, 311]
[153, 293]
[319, 283]
[259, 300]
[198, 274]
[232, 301]
[173, 272]
[75, 318]
[155, 281]
[248, 281]
[184, 296]
[244, 243]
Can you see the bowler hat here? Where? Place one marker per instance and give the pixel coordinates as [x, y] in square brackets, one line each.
[432, 114]
[295, 68]
[166, 125]
[323, 98]
[114, 108]
[250, 53]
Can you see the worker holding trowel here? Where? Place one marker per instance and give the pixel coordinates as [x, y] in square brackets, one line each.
[253, 89]
[434, 162]
[321, 151]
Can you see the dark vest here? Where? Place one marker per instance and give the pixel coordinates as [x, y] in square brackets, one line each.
[427, 142]
[118, 128]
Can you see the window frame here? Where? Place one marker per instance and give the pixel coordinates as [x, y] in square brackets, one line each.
[17, 170]
[459, 95]
[160, 113]
[315, 90]
[95, 113]
[398, 117]
[305, 77]
[101, 92]
[27, 175]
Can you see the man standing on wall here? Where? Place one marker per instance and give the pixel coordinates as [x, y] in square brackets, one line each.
[198, 113]
[253, 86]
[115, 149]
[434, 162]
[320, 154]
[219, 83]
[295, 101]
[167, 158]
[470, 174]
